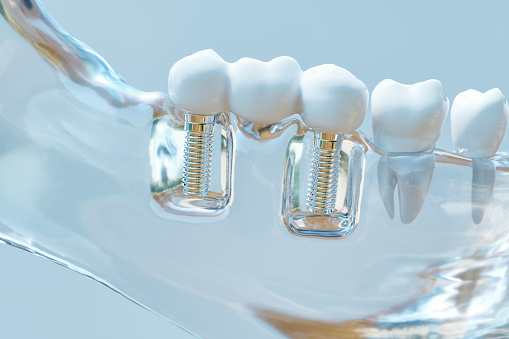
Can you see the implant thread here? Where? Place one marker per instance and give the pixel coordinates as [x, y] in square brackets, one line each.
[197, 167]
[324, 173]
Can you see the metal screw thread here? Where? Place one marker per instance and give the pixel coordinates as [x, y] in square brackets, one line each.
[324, 173]
[197, 167]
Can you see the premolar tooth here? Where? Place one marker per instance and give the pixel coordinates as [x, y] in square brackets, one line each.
[199, 83]
[407, 119]
[264, 92]
[479, 122]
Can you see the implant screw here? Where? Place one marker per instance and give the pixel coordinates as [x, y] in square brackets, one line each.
[323, 178]
[197, 167]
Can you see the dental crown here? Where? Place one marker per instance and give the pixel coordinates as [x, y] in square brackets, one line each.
[264, 92]
[333, 99]
[261, 92]
[199, 83]
[479, 122]
[408, 118]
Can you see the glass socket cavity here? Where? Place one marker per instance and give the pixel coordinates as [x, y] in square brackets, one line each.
[192, 164]
[322, 185]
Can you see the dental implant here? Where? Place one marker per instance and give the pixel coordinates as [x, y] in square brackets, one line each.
[324, 172]
[198, 87]
[198, 148]
[333, 103]
[321, 196]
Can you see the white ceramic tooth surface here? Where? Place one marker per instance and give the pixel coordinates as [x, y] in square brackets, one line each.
[408, 118]
[199, 83]
[264, 92]
[333, 99]
[479, 121]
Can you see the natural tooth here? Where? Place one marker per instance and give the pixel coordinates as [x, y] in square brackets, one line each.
[407, 119]
[264, 92]
[333, 99]
[199, 83]
[478, 122]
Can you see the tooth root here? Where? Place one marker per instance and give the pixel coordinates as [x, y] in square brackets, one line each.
[386, 185]
[413, 175]
[414, 188]
[483, 182]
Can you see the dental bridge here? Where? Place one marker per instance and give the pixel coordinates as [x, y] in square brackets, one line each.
[245, 203]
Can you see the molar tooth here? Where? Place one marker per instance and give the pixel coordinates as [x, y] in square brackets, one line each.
[479, 122]
[265, 92]
[199, 83]
[407, 119]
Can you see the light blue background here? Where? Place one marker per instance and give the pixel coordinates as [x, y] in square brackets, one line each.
[461, 43]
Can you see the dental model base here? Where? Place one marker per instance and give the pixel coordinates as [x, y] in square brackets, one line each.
[77, 145]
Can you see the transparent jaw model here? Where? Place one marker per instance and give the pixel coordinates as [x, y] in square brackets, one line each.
[82, 184]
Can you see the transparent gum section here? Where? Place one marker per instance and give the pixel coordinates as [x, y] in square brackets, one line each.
[75, 188]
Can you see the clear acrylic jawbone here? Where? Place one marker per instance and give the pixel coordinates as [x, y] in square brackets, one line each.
[75, 186]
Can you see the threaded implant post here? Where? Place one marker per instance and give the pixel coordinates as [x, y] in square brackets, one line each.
[196, 176]
[324, 173]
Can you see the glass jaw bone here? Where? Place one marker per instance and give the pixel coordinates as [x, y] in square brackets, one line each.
[440, 272]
